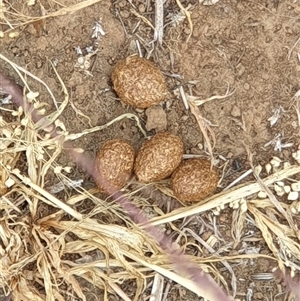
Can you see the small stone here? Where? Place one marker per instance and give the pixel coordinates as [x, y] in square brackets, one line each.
[268, 39]
[216, 41]
[134, 129]
[240, 69]
[124, 14]
[122, 3]
[156, 119]
[229, 155]
[206, 235]
[142, 8]
[236, 111]
[286, 153]
[39, 64]
[187, 30]
[246, 86]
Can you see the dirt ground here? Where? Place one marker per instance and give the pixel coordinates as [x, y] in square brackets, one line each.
[249, 47]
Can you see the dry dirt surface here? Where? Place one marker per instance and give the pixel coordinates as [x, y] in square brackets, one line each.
[249, 49]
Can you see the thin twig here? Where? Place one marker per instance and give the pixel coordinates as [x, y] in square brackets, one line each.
[159, 21]
[195, 111]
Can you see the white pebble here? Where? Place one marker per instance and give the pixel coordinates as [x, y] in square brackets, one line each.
[280, 193]
[244, 207]
[278, 188]
[296, 186]
[268, 168]
[294, 210]
[275, 163]
[296, 155]
[216, 212]
[262, 195]
[287, 188]
[258, 169]
[9, 182]
[293, 196]
[235, 205]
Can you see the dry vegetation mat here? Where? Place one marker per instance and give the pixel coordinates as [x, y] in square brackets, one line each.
[48, 247]
[34, 245]
[41, 151]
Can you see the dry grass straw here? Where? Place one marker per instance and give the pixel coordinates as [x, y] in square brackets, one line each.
[281, 237]
[10, 16]
[188, 15]
[37, 247]
[208, 134]
[34, 245]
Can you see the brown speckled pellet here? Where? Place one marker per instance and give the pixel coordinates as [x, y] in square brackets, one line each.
[139, 83]
[158, 157]
[113, 165]
[194, 180]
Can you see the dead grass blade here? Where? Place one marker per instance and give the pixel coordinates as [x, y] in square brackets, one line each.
[193, 102]
[286, 249]
[101, 127]
[159, 21]
[21, 19]
[188, 15]
[205, 128]
[272, 197]
[144, 19]
[19, 69]
[53, 200]
[182, 279]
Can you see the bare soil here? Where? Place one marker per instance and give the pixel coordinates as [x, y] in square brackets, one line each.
[247, 46]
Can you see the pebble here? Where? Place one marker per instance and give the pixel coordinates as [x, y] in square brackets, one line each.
[236, 111]
[240, 69]
[124, 14]
[156, 119]
[229, 155]
[217, 41]
[246, 86]
[187, 30]
[142, 8]
[122, 3]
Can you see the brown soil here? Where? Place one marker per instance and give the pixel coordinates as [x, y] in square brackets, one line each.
[244, 45]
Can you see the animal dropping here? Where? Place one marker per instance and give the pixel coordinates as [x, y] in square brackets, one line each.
[194, 180]
[113, 165]
[158, 157]
[139, 83]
